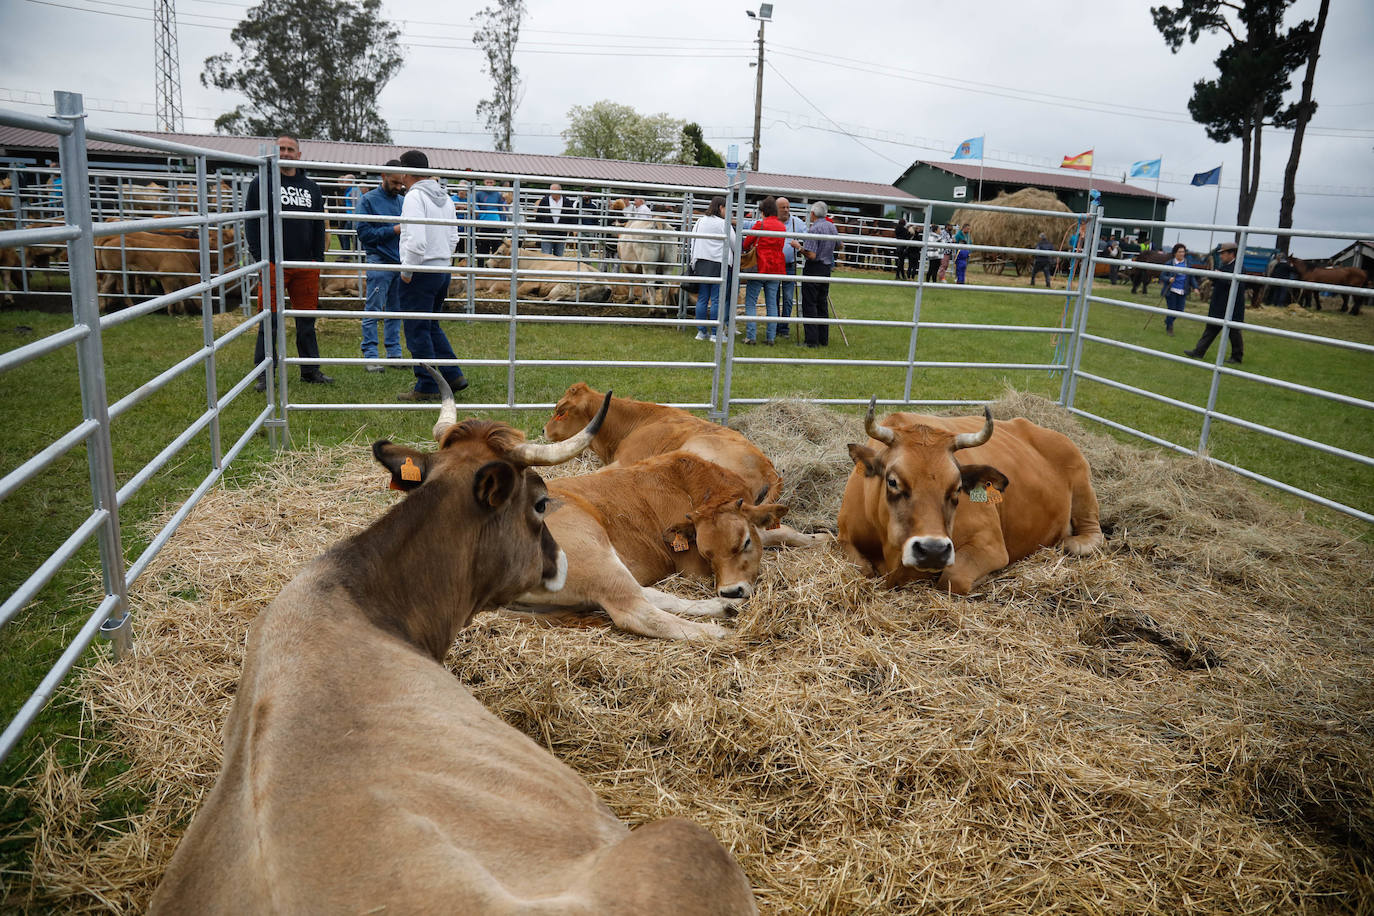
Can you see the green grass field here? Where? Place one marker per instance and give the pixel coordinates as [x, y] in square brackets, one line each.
[41, 401]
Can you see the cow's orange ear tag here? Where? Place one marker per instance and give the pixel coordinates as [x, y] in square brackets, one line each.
[994, 495]
[679, 542]
[409, 472]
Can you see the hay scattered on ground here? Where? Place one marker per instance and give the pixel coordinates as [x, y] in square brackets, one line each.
[1181, 724]
[1016, 230]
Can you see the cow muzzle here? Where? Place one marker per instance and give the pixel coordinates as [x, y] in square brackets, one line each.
[738, 590]
[928, 554]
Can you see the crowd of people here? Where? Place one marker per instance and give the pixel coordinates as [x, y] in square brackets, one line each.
[406, 231]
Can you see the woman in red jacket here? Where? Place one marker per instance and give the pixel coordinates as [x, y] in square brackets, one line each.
[770, 262]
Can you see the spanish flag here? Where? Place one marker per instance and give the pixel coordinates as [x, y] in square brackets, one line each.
[1083, 162]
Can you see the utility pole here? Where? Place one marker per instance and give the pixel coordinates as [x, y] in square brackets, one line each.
[764, 16]
[168, 66]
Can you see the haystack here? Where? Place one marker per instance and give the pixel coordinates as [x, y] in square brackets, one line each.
[1013, 230]
[1180, 724]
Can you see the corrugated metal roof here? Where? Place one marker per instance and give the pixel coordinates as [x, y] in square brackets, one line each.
[571, 168]
[1074, 181]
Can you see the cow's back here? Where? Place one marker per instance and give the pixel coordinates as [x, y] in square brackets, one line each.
[670, 429]
[359, 745]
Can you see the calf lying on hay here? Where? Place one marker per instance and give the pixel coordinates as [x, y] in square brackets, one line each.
[1181, 723]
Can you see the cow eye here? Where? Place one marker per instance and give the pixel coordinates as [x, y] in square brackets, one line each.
[747, 543]
[541, 505]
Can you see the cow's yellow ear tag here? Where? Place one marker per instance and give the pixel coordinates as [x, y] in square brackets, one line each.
[679, 542]
[409, 471]
[978, 494]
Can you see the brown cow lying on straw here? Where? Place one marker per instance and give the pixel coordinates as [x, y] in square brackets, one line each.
[359, 776]
[912, 510]
[625, 528]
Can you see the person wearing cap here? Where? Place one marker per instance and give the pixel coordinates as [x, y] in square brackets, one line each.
[1216, 308]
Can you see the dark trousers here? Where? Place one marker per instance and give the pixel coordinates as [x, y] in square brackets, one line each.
[425, 338]
[814, 304]
[1039, 267]
[932, 270]
[1175, 303]
[1210, 332]
[960, 266]
[307, 347]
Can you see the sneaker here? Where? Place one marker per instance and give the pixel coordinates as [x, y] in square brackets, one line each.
[423, 397]
[714, 339]
[1192, 354]
[260, 384]
[1169, 331]
[317, 378]
[700, 336]
[1232, 360]
[375, 367]
[748, 342]
[768, 343]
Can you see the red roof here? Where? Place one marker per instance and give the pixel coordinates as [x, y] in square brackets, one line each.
[1072, 181]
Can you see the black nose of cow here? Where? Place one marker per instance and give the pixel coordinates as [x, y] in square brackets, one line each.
[928, 553]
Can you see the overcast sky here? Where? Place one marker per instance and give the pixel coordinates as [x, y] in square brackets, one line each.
[851, 90]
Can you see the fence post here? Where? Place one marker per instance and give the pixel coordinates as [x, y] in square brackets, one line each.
[76, 205]
[1223, 340]
[207, 312]
[1068, 389]
[278, 300]
[515, 219]
[729, 297]
[916, 307]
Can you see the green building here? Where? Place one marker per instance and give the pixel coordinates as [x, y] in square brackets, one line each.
[963, 182]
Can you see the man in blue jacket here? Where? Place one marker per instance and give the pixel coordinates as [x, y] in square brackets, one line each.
[381, 241]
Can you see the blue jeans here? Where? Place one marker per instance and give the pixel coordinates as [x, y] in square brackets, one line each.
[708, 295]
[787, 291]
[383, 295]
[553, 248]
[425, 338]
[770, 299]
[1175, 302]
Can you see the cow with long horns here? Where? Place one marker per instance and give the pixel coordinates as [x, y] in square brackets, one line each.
[360, 776]
[944, 498]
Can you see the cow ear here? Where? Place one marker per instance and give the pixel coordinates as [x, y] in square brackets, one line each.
[985, 475]
[767, 516]
[681, 536]
[494, 483]
[867, 457]
[408, 467]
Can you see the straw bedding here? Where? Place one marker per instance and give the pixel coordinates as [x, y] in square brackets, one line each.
[1181, 724]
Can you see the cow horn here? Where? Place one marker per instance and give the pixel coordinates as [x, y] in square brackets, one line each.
[448, 411]
[874, 428]
[531, 454]
[968, 440]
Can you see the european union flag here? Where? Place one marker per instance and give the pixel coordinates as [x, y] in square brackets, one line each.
[971, 148]
[1146, 168]
[1206, 178]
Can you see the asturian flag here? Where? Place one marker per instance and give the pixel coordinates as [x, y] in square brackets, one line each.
[1206, 178]
[1083, 162]
[971, 148]
[1146, 168]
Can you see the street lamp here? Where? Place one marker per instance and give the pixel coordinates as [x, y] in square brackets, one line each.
[764, 16]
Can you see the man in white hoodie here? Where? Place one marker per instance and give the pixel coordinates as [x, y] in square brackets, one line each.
[431, 246]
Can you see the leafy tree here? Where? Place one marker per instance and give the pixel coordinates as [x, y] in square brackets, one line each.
[498, 32]
[1306, 108]
[312, 67]
[1253, 73]
[700, 152]
[607, 130]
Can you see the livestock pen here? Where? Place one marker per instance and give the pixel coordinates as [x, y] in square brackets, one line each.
[1022, 661]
